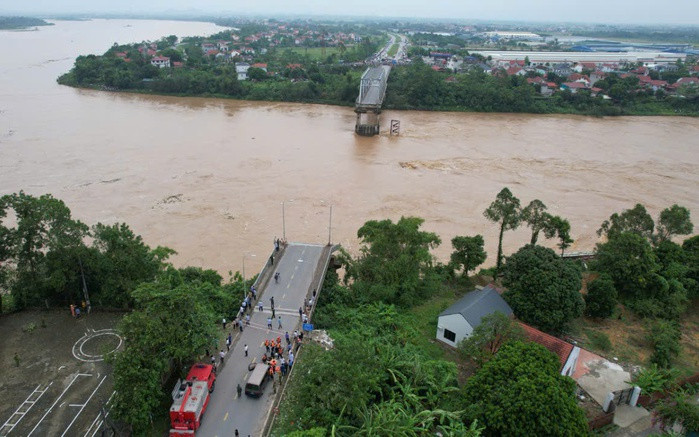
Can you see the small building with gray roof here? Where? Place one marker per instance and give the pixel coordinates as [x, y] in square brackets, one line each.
[459, 320]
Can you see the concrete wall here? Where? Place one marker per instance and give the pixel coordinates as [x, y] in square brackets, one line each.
[456, 324]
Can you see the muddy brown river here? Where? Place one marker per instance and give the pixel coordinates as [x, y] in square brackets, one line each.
[207, 177]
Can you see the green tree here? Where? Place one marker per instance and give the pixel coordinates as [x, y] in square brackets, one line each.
[635, 220]
[506, 211]
[172, 323]
[601, 298]
[486, 339]
[690, 247]
[521, 392]
[395, 264]
[256, 74]
[665, 337]
[629, 260]
[468, 252]
[125, 262]
[561, 228]
[43, 225]
[536, 217]
[674, 221]
[542, 288]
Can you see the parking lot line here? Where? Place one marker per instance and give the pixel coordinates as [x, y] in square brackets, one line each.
[83, 406]
[56, 401]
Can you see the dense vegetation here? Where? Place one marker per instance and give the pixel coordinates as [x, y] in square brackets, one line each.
[21, 22]
[44, 255]
[381, 378]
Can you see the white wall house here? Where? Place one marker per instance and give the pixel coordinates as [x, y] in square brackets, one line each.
[241, 68]
[459, 320]
[160, 61]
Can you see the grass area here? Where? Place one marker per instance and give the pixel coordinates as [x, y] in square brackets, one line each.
[316, 53]
[628, 337]
[393, 50]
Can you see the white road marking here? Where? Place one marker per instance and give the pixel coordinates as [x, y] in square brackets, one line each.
[83, 407]
[98, 417]
[23, 413]
[56, 401]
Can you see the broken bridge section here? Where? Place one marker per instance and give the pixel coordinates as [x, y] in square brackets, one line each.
[372, 90]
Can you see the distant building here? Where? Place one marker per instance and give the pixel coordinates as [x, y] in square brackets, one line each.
[241, 69]
[573, 87]
[160, 61]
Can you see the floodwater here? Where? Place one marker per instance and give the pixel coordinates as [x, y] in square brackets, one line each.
[207, 177]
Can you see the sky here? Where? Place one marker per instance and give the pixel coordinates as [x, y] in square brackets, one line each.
[591, 11]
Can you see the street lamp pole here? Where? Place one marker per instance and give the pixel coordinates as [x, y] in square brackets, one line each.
[330, 226]
[283, 223]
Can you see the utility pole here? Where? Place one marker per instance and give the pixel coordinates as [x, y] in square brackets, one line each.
[87, 297]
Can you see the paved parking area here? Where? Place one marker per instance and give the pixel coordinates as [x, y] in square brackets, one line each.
[61, 387]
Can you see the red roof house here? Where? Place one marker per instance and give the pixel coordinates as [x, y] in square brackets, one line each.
[566, 352]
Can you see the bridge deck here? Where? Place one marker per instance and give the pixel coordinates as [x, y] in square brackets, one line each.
[373, 86]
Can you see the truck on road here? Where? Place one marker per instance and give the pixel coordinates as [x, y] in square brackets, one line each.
[190, 399]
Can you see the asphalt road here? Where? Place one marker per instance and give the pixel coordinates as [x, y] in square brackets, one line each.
[226, 412]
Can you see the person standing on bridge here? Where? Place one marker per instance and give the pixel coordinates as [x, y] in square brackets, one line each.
[239, 389]
[276, 278]
[260, 306]
[288, 340]
[300, 312]
[271, 299]
[246, 350]
[222, 355]
[280, 322]
[273, 314]
[228, 342]
[269, 323]
[224, 323]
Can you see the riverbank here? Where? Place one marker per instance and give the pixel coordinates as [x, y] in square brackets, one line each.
[414, 87]
[21, 23]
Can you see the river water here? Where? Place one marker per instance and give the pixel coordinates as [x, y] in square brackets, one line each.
[207, 177]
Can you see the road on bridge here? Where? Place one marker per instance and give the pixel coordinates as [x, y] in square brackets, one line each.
[226, 412]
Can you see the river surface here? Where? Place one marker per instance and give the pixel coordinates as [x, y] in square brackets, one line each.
[207, 177]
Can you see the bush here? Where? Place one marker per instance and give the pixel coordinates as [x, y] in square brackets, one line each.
[599, 340]
[654, 379]
[601, 297]
[665, 337]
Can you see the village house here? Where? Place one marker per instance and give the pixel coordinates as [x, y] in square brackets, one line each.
[160, 61]
[459, 320]
[241, 69]
[261, 66]
[573, 87]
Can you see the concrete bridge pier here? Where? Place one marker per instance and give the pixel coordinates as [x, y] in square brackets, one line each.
[367, 122]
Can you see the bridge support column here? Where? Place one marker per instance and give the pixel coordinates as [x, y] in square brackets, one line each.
[367, 123]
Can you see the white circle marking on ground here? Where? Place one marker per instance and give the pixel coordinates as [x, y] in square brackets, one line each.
[78, 346]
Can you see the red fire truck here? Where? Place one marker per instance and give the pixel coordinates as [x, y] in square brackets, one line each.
[190, 399]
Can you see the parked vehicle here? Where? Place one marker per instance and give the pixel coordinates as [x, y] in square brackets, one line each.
[257, 380]
[190, 399]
